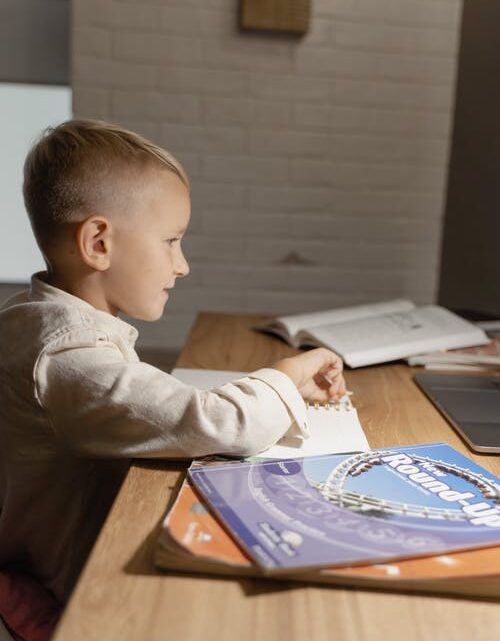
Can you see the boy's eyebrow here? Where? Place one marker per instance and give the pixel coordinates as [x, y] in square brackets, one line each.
[176, 233]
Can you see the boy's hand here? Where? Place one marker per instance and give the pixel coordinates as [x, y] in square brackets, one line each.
[311, 371]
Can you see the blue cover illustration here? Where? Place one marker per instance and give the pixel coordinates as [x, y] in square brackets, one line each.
[340, 509]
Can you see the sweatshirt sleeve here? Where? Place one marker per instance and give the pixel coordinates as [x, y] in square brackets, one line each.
[101, 405]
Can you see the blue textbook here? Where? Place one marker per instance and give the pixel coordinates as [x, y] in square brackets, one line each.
[343, 509]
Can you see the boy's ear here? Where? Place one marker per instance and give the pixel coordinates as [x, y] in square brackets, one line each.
[93, 238]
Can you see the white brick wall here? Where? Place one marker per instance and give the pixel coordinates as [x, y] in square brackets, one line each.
[318, 164]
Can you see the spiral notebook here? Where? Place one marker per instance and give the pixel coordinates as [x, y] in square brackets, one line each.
[334, 427]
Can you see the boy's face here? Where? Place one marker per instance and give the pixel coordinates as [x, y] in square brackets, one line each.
[146, 255]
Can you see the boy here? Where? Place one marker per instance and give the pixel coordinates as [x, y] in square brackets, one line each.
[109, 210]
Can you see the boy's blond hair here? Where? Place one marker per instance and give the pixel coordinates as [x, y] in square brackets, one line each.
[86, 166]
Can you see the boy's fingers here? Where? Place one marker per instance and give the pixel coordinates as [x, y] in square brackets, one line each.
[337, 389]
[330, 389]
[332, 374]
[326, 358]
[322, 396]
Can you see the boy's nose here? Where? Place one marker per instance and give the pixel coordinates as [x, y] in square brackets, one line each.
[182, 266]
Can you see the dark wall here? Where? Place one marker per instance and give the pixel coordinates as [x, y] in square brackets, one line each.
[470, 264]
[34, 41]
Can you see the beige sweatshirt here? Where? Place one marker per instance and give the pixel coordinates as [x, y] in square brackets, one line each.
[76, 405]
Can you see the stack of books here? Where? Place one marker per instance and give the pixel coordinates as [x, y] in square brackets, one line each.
[484, 357]
[416, 518]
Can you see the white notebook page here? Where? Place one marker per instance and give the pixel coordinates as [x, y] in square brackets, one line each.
[336, 429]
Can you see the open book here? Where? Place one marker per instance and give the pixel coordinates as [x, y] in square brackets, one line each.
[333, 428]
[379, 332]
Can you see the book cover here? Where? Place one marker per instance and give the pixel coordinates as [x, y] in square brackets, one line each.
[350, 509]
[191, 539]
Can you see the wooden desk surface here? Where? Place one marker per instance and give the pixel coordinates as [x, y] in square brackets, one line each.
[121, 596]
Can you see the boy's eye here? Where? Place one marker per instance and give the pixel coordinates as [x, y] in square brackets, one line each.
[171, 241]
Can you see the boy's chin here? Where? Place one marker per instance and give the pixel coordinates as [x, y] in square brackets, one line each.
[148, 315]
[153, 316]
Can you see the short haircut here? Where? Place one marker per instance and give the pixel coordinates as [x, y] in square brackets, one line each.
[86, 166]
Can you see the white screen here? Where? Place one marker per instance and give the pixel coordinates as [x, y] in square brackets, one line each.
[25, 111]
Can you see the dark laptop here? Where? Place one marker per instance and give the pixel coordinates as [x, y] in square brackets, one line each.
[470, 403]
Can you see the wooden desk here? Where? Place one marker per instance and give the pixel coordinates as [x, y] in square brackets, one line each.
[121, 596]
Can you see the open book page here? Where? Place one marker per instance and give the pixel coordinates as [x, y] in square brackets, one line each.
[398, 335]
[288, 327]
[335, 428]
[331, 431]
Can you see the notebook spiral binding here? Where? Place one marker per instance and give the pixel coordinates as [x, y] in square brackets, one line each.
[339, 405]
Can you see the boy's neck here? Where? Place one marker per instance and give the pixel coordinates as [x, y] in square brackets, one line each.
[84, 287]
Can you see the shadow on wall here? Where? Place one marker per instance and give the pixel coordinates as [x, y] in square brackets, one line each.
[9, 289]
